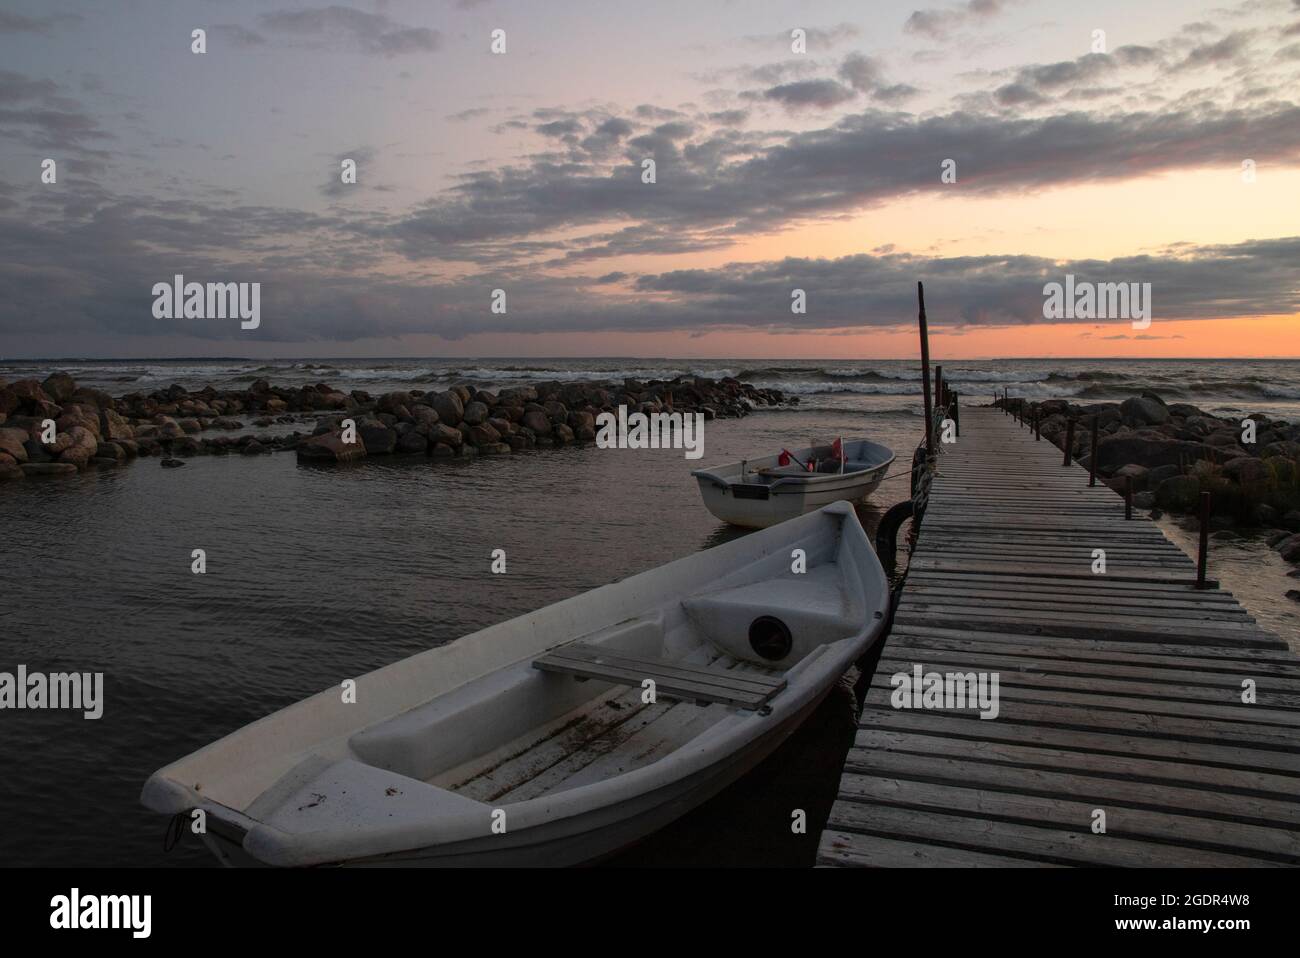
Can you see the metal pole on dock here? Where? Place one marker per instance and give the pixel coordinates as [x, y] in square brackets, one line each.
[938, 387]
[1203, 551]
[1038, 433]
[1092, 456]
[925, 372]
[956, 413]
[1128, 497]
[1069, 441]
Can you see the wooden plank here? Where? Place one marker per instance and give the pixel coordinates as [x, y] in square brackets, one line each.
[1048, 844]
[1133, 767]
[1122, 821]
[841, 849]
[970, 729]
[670, 681]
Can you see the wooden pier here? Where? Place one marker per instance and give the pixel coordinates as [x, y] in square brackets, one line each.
[1119, 692]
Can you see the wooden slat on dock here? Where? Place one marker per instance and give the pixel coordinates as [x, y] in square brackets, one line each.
[1119, 692]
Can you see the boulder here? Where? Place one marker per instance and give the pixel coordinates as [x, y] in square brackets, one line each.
[442, 433]
[330, 447]
[48, 469]
[1158, 474]
[80, 414]
[483, 434]
[84, 445]
[535, 419]
[379, 439]
[112, 425]
[36, 452]
[412, 442]
[1288, 548]
[1245, 469]
[1179, 493]
[1143, 410]
[425, 418]
[170, 463]
[1138, 473]
[476, 413]
[1287, 448]
[1144, 450]
[449, 407]
[110, 450]
[12, 443]
[440, 450]
[394, 402]
[28, 390]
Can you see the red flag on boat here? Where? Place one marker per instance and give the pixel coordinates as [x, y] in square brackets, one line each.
[837, 448]
[783, 459]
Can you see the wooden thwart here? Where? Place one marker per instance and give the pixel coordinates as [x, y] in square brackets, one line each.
[677, 680]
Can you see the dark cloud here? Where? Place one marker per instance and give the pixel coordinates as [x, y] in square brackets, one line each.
[719, 187]
[1232, 49]
[237, 36]
[334, 186]
[18, 23]
[939, 24]
[821, 94]
[36, 114]
[355, 29]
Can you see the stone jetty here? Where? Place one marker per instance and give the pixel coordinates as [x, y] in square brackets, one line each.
[93, 429]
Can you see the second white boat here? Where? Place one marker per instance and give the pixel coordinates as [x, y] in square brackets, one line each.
[758, 493]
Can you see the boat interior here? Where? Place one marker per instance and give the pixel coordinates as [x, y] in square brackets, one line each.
[529, 730]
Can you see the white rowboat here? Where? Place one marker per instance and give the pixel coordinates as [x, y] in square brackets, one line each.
[758, 493]
[533, 742]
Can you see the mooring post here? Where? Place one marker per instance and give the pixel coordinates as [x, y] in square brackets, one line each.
[956, 413]
[925, 371]
[1128, 497]
[1092, 455]
[1069, 441]
[1203, 551]
[938, 388]
[1038, 435]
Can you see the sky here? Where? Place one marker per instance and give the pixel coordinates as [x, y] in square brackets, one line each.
[795, 146]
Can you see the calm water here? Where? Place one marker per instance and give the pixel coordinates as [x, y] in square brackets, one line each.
[315, 575]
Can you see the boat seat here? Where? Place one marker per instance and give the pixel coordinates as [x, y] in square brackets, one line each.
[672, 678]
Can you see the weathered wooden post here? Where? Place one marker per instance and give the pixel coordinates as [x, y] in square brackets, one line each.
[1069, 442]
[1092, 456]
[956, 412]
[1203, 551]
[925, 371]
[1128, 497]
[938, 387]
[1038, 420]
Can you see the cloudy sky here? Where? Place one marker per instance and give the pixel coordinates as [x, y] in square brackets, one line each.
[775, 170]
